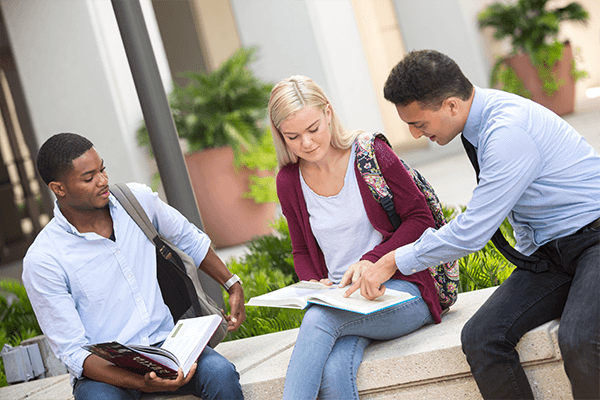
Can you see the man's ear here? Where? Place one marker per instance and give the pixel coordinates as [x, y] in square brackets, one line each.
[453, 105]
[57, 188]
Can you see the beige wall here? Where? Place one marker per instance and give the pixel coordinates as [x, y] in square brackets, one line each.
[217, 29]
[383, 47]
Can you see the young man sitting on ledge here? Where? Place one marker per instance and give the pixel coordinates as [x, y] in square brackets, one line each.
[91, 277]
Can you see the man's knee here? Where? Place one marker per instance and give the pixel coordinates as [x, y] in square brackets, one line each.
[575, 342]
[214, 364]
[470, 337]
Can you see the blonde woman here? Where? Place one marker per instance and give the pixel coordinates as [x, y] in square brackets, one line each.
[338, 230]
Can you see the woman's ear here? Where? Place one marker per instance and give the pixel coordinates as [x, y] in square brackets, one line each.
[328, 113]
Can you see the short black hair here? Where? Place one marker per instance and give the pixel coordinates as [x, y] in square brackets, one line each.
[55, 157]
[428, 77]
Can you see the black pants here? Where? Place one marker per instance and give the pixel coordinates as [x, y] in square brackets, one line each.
[570, 290]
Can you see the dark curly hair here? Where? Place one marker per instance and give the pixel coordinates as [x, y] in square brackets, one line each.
[56, 155]
[428, 77]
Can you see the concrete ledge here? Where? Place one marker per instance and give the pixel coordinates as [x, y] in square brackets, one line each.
[427, 364]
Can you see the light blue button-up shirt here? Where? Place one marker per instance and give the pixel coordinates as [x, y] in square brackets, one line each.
[86, 289]
[535, 169]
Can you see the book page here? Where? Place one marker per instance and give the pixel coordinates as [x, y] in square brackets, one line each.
[293, 296]
[189, 337]
[358, 303]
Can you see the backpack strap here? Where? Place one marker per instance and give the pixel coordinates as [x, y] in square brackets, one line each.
[129, 202]
[173, 267]
[369, 169]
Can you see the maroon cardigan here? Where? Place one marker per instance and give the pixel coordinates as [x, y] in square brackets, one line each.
[410, 203]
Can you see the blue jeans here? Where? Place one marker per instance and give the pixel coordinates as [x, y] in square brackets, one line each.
[331, 343]
[215, 378]
[567, 290]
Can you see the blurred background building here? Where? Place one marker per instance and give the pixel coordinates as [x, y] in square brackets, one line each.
[63, 69]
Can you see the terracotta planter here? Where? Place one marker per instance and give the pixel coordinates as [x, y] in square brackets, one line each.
[562, 101]
[228, 218]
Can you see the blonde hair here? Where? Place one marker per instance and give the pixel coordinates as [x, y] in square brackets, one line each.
[292, 95]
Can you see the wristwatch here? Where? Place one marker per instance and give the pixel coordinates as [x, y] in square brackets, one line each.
[231, 281]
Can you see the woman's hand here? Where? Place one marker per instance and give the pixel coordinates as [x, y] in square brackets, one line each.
[354, 272]
[325, 281]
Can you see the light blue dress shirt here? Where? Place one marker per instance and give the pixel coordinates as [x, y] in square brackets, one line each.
[86, 289]
[535, 169]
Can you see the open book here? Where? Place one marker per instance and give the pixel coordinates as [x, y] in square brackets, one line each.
[182, 347]
[301, 294]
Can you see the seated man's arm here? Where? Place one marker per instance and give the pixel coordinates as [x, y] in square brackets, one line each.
[173, 226]
[217, 270]
[56, 311]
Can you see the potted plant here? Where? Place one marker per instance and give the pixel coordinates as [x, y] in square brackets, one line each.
[539, 66]
[230, 154]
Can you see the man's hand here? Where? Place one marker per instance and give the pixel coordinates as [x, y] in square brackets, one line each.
[152, 383]
[354, 272]
[238, 310]
[371, 281]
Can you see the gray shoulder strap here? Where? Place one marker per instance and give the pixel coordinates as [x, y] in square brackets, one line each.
[134, 209]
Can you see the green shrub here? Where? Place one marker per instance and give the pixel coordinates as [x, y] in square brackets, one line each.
[267, 266]
[17, 320]
[487, 267]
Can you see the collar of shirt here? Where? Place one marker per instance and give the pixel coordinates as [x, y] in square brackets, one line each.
[473, 124]
[62, 221]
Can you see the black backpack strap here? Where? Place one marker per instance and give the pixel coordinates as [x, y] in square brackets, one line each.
[369, 169]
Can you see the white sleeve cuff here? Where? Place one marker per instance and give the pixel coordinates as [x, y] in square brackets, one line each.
[406, 261]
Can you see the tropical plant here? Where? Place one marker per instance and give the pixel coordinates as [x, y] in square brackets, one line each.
[533, 29]
[227, 107]
[17, 320]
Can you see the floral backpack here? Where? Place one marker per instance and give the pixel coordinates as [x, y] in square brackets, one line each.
[445, 275]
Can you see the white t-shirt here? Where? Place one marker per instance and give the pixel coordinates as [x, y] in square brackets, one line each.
[340, 224]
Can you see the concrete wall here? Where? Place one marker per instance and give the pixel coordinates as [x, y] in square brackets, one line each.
[448, 26]
[315, 38]
[76, 77]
